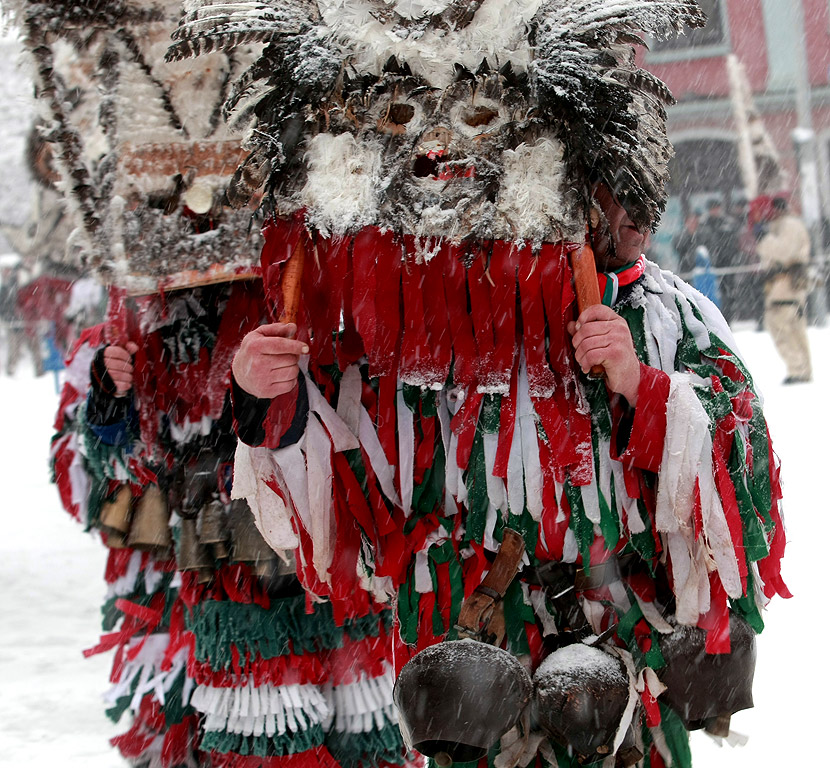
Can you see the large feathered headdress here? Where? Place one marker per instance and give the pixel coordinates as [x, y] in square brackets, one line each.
[488, 119]
[142, 151]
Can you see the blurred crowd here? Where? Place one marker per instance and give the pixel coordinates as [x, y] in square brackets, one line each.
[42, 312]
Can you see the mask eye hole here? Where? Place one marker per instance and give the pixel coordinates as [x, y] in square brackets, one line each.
[401, 114]
[476, 117]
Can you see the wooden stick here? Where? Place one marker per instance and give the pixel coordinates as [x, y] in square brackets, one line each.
[292, 284]
[586, 286]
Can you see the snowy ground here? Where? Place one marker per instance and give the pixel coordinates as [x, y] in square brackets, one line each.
[51, 587]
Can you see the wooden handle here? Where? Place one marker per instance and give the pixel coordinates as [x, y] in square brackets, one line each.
[291, 284]
[586, 286]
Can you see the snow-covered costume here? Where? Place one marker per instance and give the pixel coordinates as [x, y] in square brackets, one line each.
[144, 160]
[434, 162]
[270, 674]
[142, 615]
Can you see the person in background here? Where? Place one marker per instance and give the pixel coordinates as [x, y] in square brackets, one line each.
[686, 243]
[719, 234]
[784, 253]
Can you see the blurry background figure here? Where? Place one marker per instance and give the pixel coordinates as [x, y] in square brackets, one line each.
[16, 331]
[748, 299]
[703, 277]
[719, 234]
[784, 253]
[685, 243]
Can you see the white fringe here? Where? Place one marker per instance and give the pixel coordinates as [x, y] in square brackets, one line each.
[253, 710]
[146, 668]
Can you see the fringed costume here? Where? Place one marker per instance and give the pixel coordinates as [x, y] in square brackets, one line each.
[434, 161]
[220, 657]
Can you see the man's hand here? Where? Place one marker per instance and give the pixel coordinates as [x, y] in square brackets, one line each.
[267, 363]
[119, 364]
[602, 337]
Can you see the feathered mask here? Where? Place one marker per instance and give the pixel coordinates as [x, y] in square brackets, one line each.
[488, 120]
[139, 143]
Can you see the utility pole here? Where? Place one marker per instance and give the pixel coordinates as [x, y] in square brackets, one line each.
[804, 139]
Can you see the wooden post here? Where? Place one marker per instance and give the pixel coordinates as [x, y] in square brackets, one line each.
[586, 286]
[292, 284]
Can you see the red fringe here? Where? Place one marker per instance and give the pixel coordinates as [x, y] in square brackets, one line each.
[319, 757]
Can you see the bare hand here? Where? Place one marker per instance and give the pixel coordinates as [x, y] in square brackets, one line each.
[119, 364]
[602, 337]
[267, 363]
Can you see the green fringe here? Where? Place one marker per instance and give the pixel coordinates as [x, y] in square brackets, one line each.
[367, 750]
[283, 628]
[173, 709]
[287, 743]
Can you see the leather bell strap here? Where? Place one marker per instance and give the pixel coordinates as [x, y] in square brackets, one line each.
[478, 607]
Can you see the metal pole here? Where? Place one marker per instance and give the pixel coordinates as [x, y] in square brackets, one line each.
[804, 138]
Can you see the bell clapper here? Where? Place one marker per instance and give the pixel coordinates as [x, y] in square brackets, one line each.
[442, 760]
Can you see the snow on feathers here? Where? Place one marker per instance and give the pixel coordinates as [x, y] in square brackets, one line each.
[396, 74]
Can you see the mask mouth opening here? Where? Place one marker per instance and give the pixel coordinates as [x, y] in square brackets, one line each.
[426, 166]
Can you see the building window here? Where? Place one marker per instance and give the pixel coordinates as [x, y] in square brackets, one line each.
[710, 40]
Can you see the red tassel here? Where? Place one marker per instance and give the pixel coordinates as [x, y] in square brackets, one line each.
[716, 620]
[281, 239]
[416, 359]
[481, 307]
[503, 270]
[460, 320]
[464, 425]
[383, 360]
[540, 377]
[507, 425]
[364, 259]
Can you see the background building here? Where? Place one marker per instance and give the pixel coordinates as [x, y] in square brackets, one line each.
[784, 48]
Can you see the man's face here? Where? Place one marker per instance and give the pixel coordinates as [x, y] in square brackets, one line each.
[621, 243]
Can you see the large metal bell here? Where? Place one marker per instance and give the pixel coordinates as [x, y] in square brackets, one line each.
[580, 696]
[116, 512]
[213, 529]
[150, 526]
[191, 554]
[247, 544]
[704, 687]
[457, 699]
[201, 484]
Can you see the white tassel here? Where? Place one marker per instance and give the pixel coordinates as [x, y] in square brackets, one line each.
[320, 474]
[252, 467]
[406, 452]
[383, 470]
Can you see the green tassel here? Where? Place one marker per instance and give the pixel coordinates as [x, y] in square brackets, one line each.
[428, 495]
[579, 523]
[755, 540]
[283, 628]
[490, 417]
[408, 610]
[287, 743]
[516, 613]
[677, 738]
[526, 526]
[747, 606]
[478, 501]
